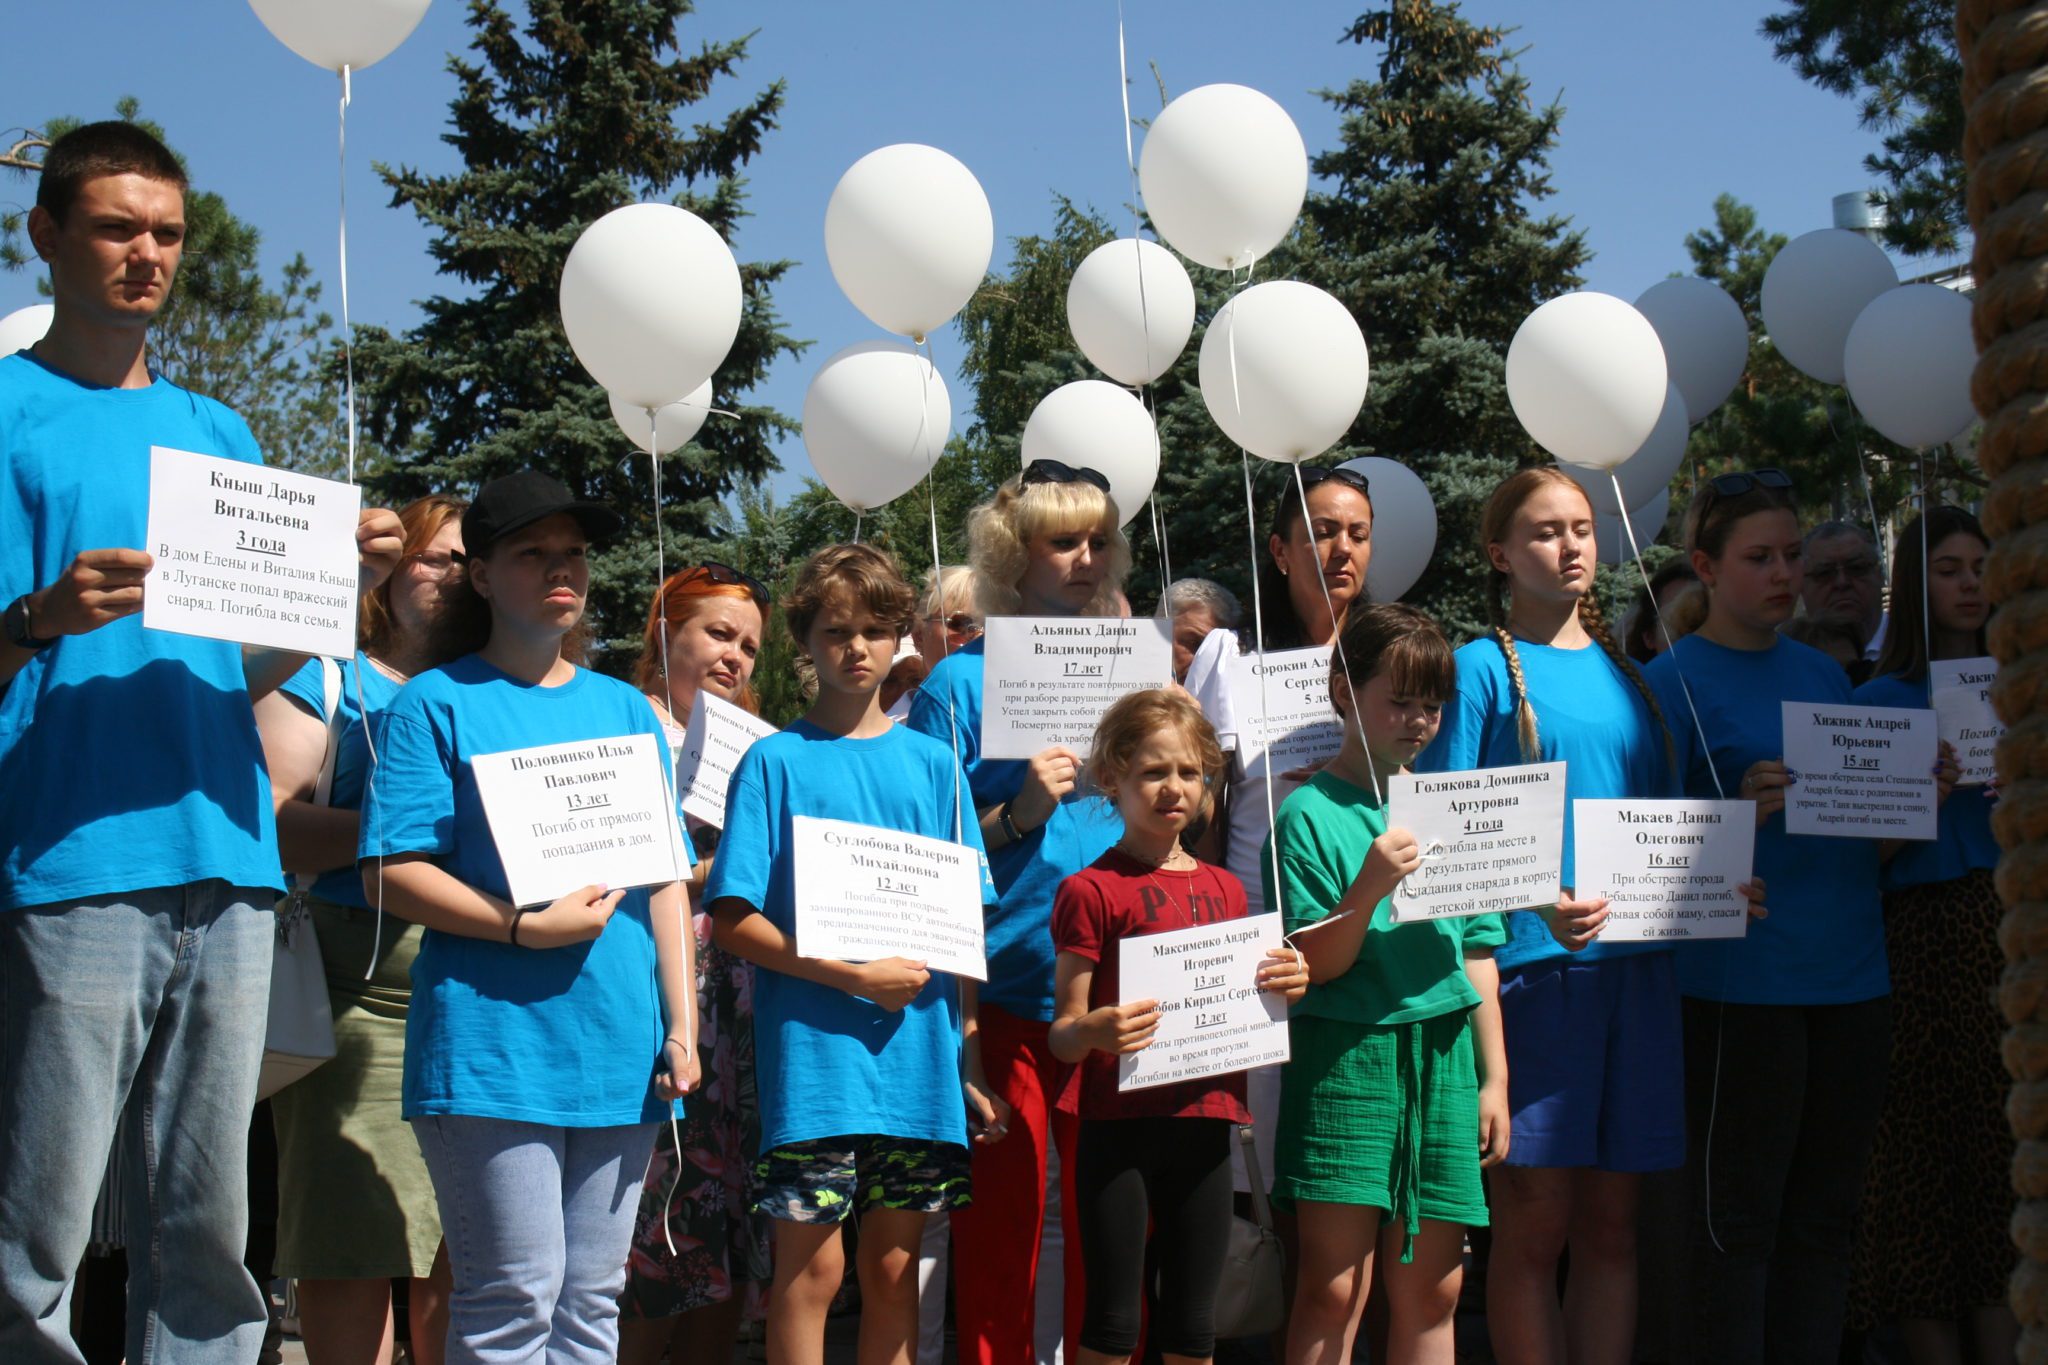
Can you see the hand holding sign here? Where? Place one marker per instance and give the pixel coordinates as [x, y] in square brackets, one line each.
[100, 586]
[891, 982]
[1048, 776]
[380, 543]
[577, 917]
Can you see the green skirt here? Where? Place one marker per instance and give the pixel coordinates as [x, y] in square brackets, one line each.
[1386, 1117]
[354, 1200]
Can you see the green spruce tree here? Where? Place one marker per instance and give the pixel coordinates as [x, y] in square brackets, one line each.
[1429, 228]
[558, 121]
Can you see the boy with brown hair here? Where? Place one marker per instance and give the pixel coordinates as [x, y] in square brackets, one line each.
[861, 1066]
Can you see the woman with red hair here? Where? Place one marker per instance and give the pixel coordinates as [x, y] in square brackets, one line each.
[703, 634]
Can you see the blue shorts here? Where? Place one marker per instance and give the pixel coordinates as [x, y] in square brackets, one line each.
[1596, 1063]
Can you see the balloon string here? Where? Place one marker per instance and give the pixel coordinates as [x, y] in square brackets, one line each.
[348, 342]
[856, 525]
[1926, 601]
[1251, 530]
[1337, 635]
[1637, 551]
[1165, 558]
[1144, 305]
[675, 851]
[931, 503]
[1863, 472]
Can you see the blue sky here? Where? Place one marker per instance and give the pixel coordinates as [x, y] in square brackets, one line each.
[1667, 104]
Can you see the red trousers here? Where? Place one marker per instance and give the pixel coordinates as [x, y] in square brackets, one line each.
[995, 1239]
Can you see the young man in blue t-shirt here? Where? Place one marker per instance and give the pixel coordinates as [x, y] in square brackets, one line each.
[139, 864]
[861, 1066]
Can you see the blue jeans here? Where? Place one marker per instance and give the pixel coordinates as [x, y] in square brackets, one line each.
[538, 1221]
[156, 999]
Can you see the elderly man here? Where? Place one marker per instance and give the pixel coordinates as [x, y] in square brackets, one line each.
[1197, 606]
[1844, 582]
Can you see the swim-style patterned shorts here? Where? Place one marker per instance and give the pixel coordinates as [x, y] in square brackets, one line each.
[825, 1179]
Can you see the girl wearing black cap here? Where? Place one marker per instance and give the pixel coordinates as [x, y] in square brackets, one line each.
[539, 1054]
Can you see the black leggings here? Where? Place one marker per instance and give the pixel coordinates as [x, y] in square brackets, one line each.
[1176, 1174]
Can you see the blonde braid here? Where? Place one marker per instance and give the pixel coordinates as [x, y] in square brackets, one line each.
[1525, 714]
[1595, 621]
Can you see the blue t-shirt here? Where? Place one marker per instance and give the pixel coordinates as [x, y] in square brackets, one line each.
[568, 1036]
[1963, 840]
[828, 1064]
[1590, 716]
[1823, 942]
[1027, 874]
[344, 885]
[128, 757]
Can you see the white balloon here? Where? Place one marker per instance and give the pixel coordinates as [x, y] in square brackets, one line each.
[1646, 473]
[341, 33]
[1223, 172]
[24, 327]
[1705, 338]
[1586, 376]
[876, 417]
[1403, 527]
[1284, 370]
[1908, 364]
[1096, 425]
[674, 424]
[1610, 538]
[909, 234]
[1813, 292]
[651, 302]
[1133, 335]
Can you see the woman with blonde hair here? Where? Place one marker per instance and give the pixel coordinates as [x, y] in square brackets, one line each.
[1047, 544]
[355, 1207]
[699, 1189]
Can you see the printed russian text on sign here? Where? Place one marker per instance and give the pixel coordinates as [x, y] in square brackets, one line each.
[1048, 679]
[864, 893]
[1213, 1018]
[1669, 869]
[258, 556]
[718, 734]
[1283, 711]
[594, 812]
[1860, 772]
[1492, 839]
[1962, 703]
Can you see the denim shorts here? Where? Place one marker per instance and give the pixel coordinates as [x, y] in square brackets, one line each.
[1596, 1063]
[825, 1179]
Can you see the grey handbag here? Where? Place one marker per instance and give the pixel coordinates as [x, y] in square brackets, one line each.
[1251, 1299]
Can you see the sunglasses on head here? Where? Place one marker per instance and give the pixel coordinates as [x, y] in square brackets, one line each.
[1743, 480]
[727, 575]
[1314, 474]
[1057, 471]
[959, 623]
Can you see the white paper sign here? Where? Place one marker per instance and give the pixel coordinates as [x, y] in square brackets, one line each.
[1492, 839]
[594, 812]
[1860, 772]
[718, 734]
[1284, 706]
[1213, 1018]
[864, 893]
[1048, 679]
[1669, 869]
[1966, 719]
[257, 556]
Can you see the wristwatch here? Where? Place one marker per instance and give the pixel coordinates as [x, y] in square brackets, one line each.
[17, 625]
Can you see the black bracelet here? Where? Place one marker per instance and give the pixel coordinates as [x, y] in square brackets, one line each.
[1010, 830]
[513, 936]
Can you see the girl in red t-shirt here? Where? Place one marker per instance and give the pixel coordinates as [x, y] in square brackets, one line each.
[1158, 1155]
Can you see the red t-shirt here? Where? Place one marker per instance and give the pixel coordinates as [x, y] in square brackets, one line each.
[1117, 898]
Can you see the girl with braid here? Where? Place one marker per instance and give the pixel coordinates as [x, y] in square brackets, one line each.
[1594, 1047]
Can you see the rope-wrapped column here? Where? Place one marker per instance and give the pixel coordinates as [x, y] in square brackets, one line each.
[2004, 47]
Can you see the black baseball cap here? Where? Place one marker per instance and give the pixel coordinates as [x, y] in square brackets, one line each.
[516, 501]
